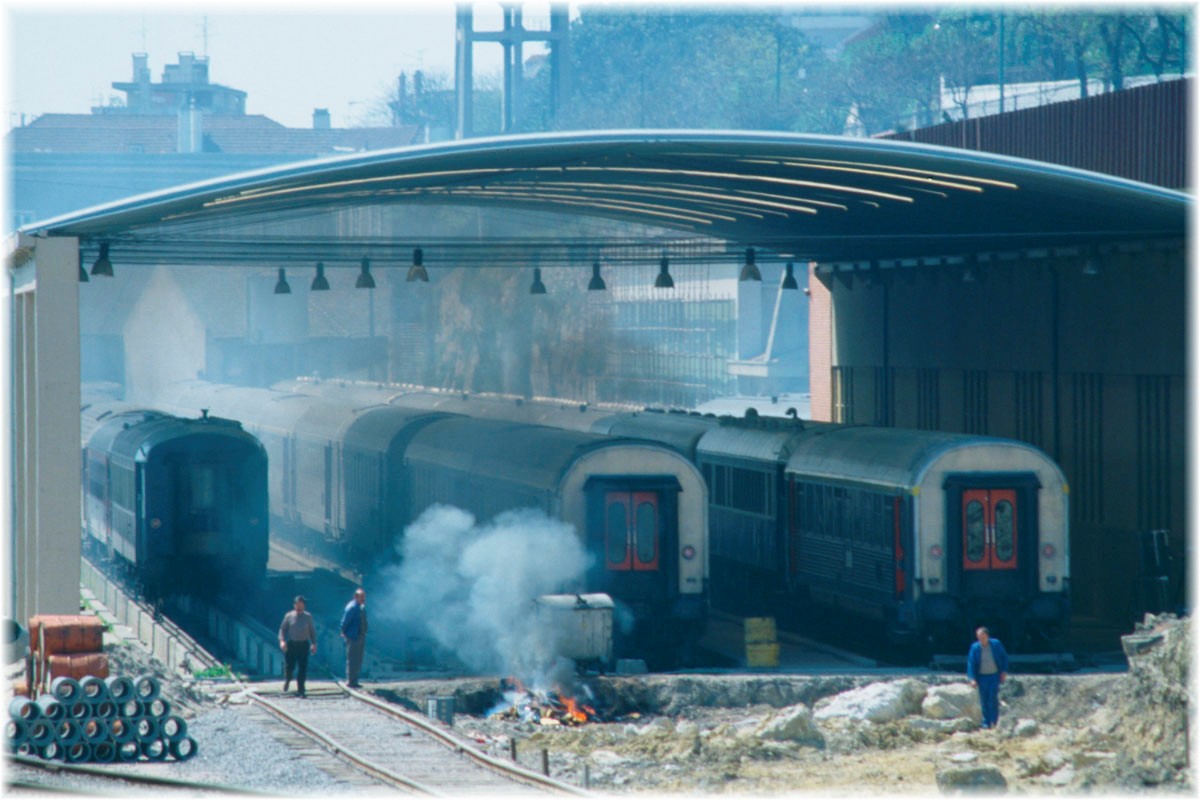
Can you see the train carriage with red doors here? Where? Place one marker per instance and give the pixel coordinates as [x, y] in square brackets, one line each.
[932, 533]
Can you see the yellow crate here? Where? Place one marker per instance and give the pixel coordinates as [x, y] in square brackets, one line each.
[762, 655]
[759, 630]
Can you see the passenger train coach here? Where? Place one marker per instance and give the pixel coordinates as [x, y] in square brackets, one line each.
[930, 533]
[351, 475]
[179, 503]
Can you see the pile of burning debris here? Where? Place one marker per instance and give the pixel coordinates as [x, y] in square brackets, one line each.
[546, 707]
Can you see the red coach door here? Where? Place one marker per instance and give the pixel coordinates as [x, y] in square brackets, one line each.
[989, 529]
[632, 536]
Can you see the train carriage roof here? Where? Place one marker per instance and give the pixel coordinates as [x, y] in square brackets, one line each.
[505, 451]
[893, 457]
[756, 444]
[95, 415]
[131, 432]
[254, 407]
[376, 428]
[680, 432]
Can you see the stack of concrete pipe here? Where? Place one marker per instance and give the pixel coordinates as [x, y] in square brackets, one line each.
[99, 720]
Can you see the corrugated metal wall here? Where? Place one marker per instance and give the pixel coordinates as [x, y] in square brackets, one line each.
[1141, 134]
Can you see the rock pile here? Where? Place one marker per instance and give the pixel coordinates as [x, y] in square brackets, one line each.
[757, 734]
[1146, 721]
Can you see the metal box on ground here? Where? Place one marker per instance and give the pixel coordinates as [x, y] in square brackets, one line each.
[440, 708]
[582, 625]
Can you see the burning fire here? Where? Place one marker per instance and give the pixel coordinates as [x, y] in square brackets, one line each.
[548, 708]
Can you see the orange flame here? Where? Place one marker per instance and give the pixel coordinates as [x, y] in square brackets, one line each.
[575, 712]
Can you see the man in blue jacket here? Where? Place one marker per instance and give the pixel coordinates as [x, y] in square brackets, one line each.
[354, 633]
[987, 666]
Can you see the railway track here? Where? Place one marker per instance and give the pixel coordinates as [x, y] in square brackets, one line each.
[34, 774]
[400, 749]
[369, 744]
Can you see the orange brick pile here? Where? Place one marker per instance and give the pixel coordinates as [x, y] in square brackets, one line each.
[64, 646]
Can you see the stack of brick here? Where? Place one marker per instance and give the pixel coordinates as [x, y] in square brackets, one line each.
[64, 646]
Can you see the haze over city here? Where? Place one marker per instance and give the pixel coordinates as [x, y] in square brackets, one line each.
[287, 58]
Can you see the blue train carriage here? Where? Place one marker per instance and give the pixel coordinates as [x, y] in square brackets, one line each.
[931, 533]
[640, 507]
[180, 503]
[743, 462]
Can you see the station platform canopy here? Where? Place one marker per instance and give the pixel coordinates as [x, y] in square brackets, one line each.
[799, 196]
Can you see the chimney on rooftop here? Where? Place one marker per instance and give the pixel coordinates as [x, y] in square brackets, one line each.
[190, 138]
[141, 68]
[321, 119]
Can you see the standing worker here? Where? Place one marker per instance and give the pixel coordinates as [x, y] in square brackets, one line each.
[987, 666]
[354, 632]
[297, 638]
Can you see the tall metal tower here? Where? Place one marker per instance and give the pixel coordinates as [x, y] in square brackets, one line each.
[512, 38]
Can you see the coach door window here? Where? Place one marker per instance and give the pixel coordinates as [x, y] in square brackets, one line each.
[646, 530]
[976, 534]
[989, 529]
[617, 531]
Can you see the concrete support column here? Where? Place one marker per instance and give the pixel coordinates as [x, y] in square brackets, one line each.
[44, 491]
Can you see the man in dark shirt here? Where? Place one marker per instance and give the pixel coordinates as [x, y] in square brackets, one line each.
[297, 639]
[354, 633]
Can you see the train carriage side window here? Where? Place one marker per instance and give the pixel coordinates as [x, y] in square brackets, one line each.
[886, 521]
[815, 510]
[841, 521]
[812, 512]
[829, 514]
[747, 490]
[721, 485]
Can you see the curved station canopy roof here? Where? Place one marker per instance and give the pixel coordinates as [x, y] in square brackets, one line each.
[803, 196]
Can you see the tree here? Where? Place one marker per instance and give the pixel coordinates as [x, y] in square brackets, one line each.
[889, 74]
[1160, 39]
[965, 48]
[1070, 41]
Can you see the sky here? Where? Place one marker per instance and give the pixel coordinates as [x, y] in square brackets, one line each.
[289, 57]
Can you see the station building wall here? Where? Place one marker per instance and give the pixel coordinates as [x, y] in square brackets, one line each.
[1089, 368]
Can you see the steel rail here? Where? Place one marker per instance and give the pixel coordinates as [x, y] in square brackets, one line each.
[121, 775]
[514, 771]
[349, 756]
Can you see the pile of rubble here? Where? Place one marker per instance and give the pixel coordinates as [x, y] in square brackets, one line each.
[755, 734]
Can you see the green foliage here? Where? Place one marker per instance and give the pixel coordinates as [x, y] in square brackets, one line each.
[754, 68]
[214, 673]
[652, 68]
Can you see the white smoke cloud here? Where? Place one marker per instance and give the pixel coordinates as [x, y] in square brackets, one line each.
[471, 586]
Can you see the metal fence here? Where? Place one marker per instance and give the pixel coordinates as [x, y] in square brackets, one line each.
[1141, 134]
